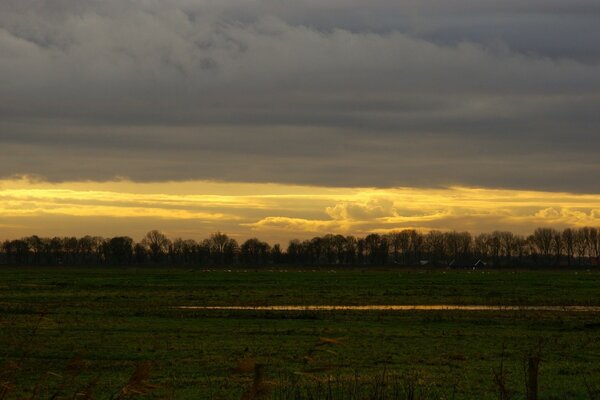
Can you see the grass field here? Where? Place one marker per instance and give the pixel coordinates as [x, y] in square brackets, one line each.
[64, 331]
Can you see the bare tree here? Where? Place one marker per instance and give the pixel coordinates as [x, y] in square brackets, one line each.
[222, 248]
[480, 245]
[400, 247]
[595, 244]
[542, 239]
[568, 238]
[507, 245]
[339, 245]
[157, 244]
[434, 243]
[119, 250]
[557, 246]
[582, 242]
[395, 240]
[255, 252]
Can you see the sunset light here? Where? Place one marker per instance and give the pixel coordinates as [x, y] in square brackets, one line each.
[278, 212]
[300, 200]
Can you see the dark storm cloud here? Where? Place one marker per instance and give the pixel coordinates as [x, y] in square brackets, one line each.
[384, 93]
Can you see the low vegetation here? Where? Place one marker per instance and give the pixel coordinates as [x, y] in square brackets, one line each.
[115, 333]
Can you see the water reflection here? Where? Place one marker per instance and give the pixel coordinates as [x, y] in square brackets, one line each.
[436, 307]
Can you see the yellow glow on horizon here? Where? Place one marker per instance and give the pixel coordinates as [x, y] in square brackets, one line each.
[278, 211]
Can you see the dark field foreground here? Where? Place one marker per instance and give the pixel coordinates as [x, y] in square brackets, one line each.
[112, 333]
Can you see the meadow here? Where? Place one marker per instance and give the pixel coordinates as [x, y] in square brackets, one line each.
[119, 333]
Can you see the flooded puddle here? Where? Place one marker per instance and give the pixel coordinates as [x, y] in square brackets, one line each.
[438, 307]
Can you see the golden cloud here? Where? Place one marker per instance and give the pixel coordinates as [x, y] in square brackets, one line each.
[281, 211]
[297, 225]
[360, 211]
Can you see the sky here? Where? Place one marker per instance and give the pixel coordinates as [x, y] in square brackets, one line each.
[286, 119]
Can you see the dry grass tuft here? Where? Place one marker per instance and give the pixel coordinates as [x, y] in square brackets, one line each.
[324, 340]
[76, 365]
[87, 392]
[245, 366]
[260, 389]
[138, 383]
[5, 389]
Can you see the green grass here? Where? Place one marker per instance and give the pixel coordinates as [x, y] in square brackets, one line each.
[114, 320]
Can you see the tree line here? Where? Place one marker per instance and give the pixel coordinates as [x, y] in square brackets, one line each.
[544, 247]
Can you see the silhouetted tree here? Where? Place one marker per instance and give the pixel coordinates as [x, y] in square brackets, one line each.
[36, 246]
[546, 246]
[223, 249]
[395, 241]
[568, 239]
[157, 245]
[255, 252]
[557, 246]
[595, 244]
[17, 251]
[294, 252]
[542, 240]
[119, 250]
[434, 242]
[276, 255]
[140, 254]
[582, 241]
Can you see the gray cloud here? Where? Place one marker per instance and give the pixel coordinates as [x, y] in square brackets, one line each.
[492, 93]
